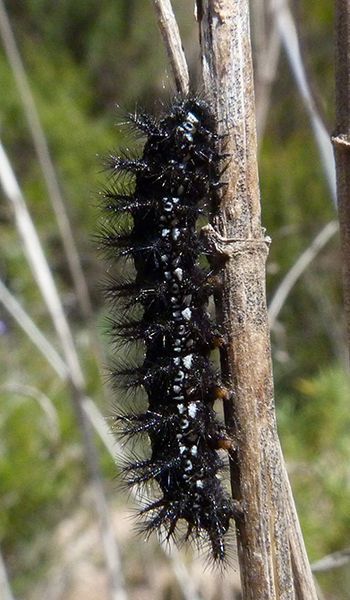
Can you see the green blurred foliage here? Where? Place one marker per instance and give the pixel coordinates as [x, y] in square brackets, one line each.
[314, 424]
[82, 59]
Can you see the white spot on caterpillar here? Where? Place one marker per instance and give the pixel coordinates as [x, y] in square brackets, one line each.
[182, 449]
[177, 361]
[165, 232]
[178, 273]
[176, 389]
[176, 314]
[175, 233]
[199, 484]
[185, 127]
[164, 258]
[181, 408]
[167, 275]
[189, 124]
[194, 450]
[168, 205]
[187, 360]
[192, 409]
[179, 376]
[191, 117]
[187, 313]
[189, 466]
[176, 200]
[184, 423]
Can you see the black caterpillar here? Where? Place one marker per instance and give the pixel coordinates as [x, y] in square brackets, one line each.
[166, 309]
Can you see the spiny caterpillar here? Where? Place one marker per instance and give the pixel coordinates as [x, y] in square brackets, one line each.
[165, 307]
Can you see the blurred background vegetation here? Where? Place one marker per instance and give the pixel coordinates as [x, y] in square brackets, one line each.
[82, 59]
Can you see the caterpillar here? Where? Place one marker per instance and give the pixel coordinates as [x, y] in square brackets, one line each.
[153, 224]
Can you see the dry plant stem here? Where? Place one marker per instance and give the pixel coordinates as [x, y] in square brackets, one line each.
[111, 550]
[298, 269]
[257, 483]
[172, 41]
[287, 31]
[341, 140]
[51, 422]
[5, 588]
[332, 561]
[39, 266]
[298, 13]
[258, 473]
[32, 331]
[267, 53]
[43, 153]
[188, 581]
[320, 593]
[54, 359]
[305, 586]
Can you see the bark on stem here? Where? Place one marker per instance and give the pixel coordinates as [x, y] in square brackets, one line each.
[258, 475]
[341, 139]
